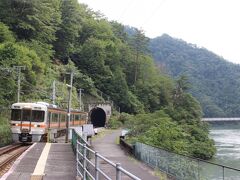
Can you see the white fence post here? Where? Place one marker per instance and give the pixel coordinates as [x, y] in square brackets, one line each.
[96, 166]
[118, 172]
[84, 161]
[77, 156]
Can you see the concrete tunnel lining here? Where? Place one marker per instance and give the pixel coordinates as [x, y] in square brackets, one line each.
[98, 117]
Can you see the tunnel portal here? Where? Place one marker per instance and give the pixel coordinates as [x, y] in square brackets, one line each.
[98, 117]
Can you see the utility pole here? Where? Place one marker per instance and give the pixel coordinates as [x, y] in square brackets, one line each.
[69, 105]
[19, 80]
[54, 92]
[80, 99]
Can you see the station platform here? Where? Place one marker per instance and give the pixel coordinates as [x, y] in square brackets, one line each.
[44, 161]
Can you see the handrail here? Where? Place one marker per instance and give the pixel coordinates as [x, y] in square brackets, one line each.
[83, 160]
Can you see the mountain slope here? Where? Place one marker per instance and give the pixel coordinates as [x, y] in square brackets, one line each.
[215, 81]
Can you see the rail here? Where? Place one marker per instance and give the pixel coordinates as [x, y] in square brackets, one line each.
[9, 148]
[89, 166]
[10, 155]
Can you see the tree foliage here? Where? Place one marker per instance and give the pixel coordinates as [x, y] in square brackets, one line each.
[214, 81]
[5, 34]
[53, 38]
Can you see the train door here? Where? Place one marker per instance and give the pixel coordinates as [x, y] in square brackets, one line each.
[25, 125]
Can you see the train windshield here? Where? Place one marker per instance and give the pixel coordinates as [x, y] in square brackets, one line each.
[37, 116]
[27, 115]
[16, 115]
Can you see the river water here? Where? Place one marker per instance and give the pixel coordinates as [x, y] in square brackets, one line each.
[227, 142]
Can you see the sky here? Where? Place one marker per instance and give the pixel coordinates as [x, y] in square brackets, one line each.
[212, 24]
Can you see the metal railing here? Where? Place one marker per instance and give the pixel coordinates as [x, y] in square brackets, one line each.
[89, 162]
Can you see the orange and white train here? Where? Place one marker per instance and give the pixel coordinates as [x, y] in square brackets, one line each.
[31, 122]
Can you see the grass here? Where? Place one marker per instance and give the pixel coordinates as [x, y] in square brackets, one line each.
[102, 133]
[131, 158]
[160, 174]
[117, 141]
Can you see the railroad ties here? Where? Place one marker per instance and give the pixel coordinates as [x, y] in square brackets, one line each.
[9, 154]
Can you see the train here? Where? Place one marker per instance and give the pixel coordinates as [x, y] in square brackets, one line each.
[32, 122]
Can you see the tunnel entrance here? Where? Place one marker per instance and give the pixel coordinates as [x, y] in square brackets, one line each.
[98, 117]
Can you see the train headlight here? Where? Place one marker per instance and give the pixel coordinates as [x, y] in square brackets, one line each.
[16, 124]
[35, 125]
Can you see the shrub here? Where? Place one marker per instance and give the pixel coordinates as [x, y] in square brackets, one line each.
[114, 122]
[5, 132]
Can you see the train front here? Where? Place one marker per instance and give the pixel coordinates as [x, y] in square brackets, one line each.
[28, 122]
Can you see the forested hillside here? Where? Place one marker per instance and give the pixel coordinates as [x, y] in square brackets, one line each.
[215, 82]
[51, 38]
[44, 36]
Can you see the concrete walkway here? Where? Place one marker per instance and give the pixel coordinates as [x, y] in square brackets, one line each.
[56, 163]
[107, 146]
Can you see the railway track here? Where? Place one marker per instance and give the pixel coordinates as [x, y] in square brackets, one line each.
[9, 154]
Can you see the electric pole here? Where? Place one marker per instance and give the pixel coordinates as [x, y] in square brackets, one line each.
[54, 92]
[80, 99]
[19, 80]
[69, 105]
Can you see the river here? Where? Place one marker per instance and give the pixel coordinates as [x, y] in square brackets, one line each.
[227, 142]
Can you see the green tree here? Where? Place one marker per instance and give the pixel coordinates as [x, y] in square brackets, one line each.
[139, 43]
[214, 81]
[70, 28]
[33, 22]
[5, 34]
[31, 19]
[16, 55]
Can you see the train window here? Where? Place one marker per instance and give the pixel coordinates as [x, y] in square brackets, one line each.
[55, 117]
[63, 117]
[16, 115]
[49, 117]
[26, 115]
[83, 117]
[77, 118]
[38, 116]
